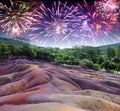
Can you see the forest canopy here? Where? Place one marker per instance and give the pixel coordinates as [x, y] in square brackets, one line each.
[96, 58]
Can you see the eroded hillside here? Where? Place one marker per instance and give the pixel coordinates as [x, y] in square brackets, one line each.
[26, 85]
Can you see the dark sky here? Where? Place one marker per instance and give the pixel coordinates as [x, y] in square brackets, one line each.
[69, 1]
[48, 2]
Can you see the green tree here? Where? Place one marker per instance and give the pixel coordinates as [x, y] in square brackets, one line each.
[86, 63]
[100, 60]
[27, 51]
[116, 60]
[118, 51]
[11, 49]
[17, 51]
[93, 54]
[108, 65]
[110, 52]
[44, 54]
[4, 50]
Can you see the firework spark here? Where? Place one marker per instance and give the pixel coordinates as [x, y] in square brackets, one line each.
[16, 18]
[92, 26]
[107, 8]
[53, 23]
[61, 23]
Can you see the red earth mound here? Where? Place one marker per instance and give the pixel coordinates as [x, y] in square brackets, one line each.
[21, 79]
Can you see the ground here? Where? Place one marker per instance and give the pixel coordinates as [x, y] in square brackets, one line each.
[27, 85]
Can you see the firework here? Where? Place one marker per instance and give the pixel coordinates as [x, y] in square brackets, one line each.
[92, 27]
[16, 18]
[107, 8]
[60, 23]
[53, 23]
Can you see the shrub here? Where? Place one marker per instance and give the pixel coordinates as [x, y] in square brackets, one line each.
[108, 65]
[96, 66]
[86, 63]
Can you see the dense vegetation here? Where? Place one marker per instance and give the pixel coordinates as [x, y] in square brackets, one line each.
[16, 41]
[88, 57]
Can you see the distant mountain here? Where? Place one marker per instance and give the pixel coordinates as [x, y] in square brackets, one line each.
[105, 47]
[15, 41]
[111, 45]
[20, 41]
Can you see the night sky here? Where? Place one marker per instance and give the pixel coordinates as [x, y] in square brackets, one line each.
[86, 34]
[49, 2]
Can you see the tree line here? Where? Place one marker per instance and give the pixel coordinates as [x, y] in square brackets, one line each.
[87, 57]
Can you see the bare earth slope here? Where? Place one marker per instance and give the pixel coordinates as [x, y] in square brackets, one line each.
[36, 86]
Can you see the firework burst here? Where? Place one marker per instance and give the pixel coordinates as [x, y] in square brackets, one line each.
[92, 27]
[108, 8]
[16, 18]
[53, 23]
